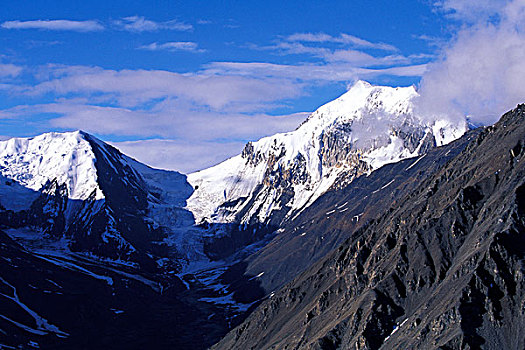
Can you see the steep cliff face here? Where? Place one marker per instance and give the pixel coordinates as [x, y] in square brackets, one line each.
[277, 177]
[443, 268]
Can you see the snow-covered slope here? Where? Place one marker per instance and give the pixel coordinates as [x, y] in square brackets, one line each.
[277, 176]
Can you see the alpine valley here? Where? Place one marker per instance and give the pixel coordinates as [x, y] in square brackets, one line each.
[369, 226]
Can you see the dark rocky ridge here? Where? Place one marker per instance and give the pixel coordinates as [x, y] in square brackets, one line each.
[442, 268]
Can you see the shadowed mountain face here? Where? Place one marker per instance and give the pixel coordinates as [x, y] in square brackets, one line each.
[441, 268]
[74, 187]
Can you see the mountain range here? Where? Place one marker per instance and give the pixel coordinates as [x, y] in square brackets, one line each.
[370, 225]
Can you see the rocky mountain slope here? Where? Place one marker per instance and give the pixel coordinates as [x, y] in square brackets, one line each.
[341, 211]
[441, 268]
[277, 177]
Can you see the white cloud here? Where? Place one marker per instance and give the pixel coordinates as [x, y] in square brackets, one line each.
[9, 70]
[131, 88]
[173, 46]
[341, 39]
[344, 58]
[356, 57]
[41, 43]
[481, 73]
[172, 118]
[432, 41]
[141, 24]
[334, 72]
[57, 25]
[471, 10]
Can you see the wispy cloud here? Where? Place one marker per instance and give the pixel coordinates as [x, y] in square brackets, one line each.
[140, 24]
[173, 46]
[341, 39]
[41, 43]
[173, 119]
[56, 25]
[337, 72]
[356, 57]
[473, 11]
[131, 88]
[340, 58]
[432, 41]
[132, 24]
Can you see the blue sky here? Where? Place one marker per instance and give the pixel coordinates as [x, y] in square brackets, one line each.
[184, 84]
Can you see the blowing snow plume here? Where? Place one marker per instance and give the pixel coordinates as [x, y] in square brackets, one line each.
[482, 71]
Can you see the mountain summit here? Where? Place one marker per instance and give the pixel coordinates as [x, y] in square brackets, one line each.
[277, 177]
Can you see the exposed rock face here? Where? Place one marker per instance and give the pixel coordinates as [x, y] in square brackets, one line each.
[442, 268]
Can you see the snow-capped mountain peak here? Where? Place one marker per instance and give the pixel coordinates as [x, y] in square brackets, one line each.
[364, 97]
[362, 130]
[65, 157]
[75, 186]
